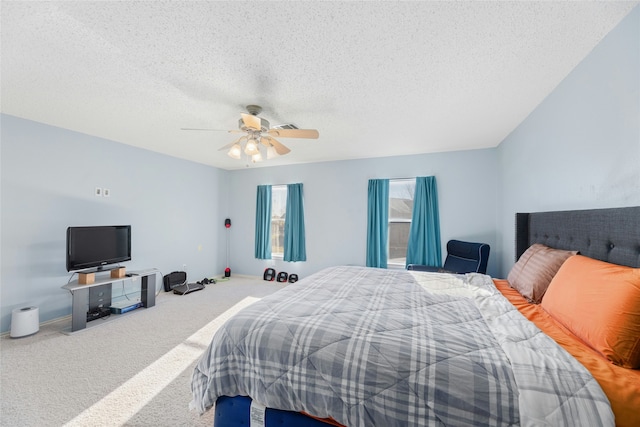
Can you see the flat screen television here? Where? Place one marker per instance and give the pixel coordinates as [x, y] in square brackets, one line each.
[97, 246]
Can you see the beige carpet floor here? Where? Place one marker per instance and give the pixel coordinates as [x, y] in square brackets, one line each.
[133, 370]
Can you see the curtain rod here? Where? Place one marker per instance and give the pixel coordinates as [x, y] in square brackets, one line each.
[410, 178]
[276, 185]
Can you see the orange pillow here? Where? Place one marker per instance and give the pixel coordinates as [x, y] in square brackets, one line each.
[600, 303]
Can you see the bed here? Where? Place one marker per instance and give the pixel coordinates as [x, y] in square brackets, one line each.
[359, 346]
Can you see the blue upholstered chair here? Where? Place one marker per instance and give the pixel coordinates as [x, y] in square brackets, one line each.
[462, 257]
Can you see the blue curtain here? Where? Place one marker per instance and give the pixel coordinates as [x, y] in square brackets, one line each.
[424, 233]
[263, 222]
[294, 242]
[377, 222]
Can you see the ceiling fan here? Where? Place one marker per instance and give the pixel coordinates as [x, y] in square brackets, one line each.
[258, 132]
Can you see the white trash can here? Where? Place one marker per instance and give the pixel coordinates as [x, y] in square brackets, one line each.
[24, 321]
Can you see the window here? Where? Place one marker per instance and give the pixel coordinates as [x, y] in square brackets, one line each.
[278, 214]
[279, 229]
[403, 225]
[401, 193]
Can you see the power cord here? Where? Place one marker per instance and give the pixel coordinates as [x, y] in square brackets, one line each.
[159, 289]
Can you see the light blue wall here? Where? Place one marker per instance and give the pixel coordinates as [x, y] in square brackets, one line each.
[177, 208]
[335, 197]
[48, 180]
[580, 148]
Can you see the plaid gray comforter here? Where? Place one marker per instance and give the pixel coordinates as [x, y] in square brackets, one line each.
[373, 347]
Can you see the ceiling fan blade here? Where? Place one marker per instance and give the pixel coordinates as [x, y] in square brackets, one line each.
[295, 133]
[229, 145]
[279, 147]
[265, 140]
[251, 121]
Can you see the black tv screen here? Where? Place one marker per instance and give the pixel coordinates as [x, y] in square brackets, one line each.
[98, 246]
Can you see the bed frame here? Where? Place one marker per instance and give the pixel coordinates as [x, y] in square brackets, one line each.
[234, 412]
[611, 235]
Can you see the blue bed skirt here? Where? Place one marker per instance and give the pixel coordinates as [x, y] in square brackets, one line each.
[234, 412]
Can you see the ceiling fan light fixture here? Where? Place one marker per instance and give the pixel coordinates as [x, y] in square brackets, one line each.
[256, 158]
[271, 152]
[251, 148]
[235, 152]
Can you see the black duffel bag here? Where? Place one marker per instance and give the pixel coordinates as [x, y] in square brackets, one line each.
[174, 279]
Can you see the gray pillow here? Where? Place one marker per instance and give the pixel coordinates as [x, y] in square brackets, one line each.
[534, 270]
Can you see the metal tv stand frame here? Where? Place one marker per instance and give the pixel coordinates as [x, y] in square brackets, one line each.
[80, 294]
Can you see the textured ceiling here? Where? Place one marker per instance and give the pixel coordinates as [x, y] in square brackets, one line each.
[375, 78]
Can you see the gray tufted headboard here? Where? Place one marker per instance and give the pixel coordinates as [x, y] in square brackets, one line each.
[611, 235]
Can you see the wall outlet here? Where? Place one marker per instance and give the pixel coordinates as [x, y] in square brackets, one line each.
[106, 192]
[98, 192]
